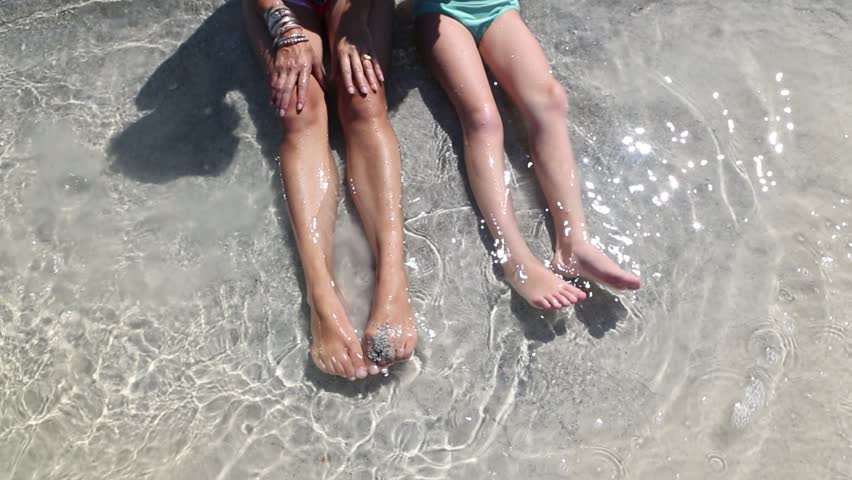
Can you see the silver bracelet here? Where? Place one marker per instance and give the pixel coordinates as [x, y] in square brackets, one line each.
[289, 40]
[275, 12]
[291, 43]
[284, 20]
[283, 27]
[279, 19]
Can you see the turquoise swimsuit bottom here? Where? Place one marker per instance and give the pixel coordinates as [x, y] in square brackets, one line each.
[476, 15]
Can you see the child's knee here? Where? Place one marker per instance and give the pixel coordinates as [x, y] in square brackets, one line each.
[482, 121]
[546, 105]
[554, 99]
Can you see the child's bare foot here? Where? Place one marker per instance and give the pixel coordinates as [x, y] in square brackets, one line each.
[586, 260]
[540, 287]
[390, 334]
[335, 347]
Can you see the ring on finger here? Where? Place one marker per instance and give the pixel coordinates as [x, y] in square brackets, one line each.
[366, 57]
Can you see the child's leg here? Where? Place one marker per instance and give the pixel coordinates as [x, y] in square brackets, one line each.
[519, 63]
[451, 51]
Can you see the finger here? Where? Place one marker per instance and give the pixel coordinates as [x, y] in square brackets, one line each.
[371, 75]
[346, 74]
[379, 74]
[302, 93]
[280, 80]
[287, 91]
[274, 100]
[273, 79]
[277, 94]
[276, 103]
[319, 73]
[273, 87]
[358, 73]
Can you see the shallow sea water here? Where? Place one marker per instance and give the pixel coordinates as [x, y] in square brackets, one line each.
[152, 323]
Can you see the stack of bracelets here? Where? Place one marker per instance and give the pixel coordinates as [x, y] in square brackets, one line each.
[279, 21]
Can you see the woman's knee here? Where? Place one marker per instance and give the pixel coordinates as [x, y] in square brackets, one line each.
[313, 115]
[356, 108]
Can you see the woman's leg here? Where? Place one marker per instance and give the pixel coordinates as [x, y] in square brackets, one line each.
[451, 52]
[375, 178]
[518, 61]
[310, 179]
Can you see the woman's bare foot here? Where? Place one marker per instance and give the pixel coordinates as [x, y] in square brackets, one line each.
[587, 261]
[540, 287]
[390, 334]
[335, 347]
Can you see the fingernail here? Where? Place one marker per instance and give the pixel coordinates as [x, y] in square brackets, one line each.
[362, 372]
[374, 370]
[350, 90]
[351, 379]
[281, 113]
[299, 107]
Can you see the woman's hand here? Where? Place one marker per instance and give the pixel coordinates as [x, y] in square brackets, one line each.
[291, 70]
[355, 63]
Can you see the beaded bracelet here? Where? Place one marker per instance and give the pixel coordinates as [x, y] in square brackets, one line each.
[289, 40]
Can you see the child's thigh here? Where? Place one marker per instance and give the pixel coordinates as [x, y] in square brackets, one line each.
[451, 52]
[517, 60]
